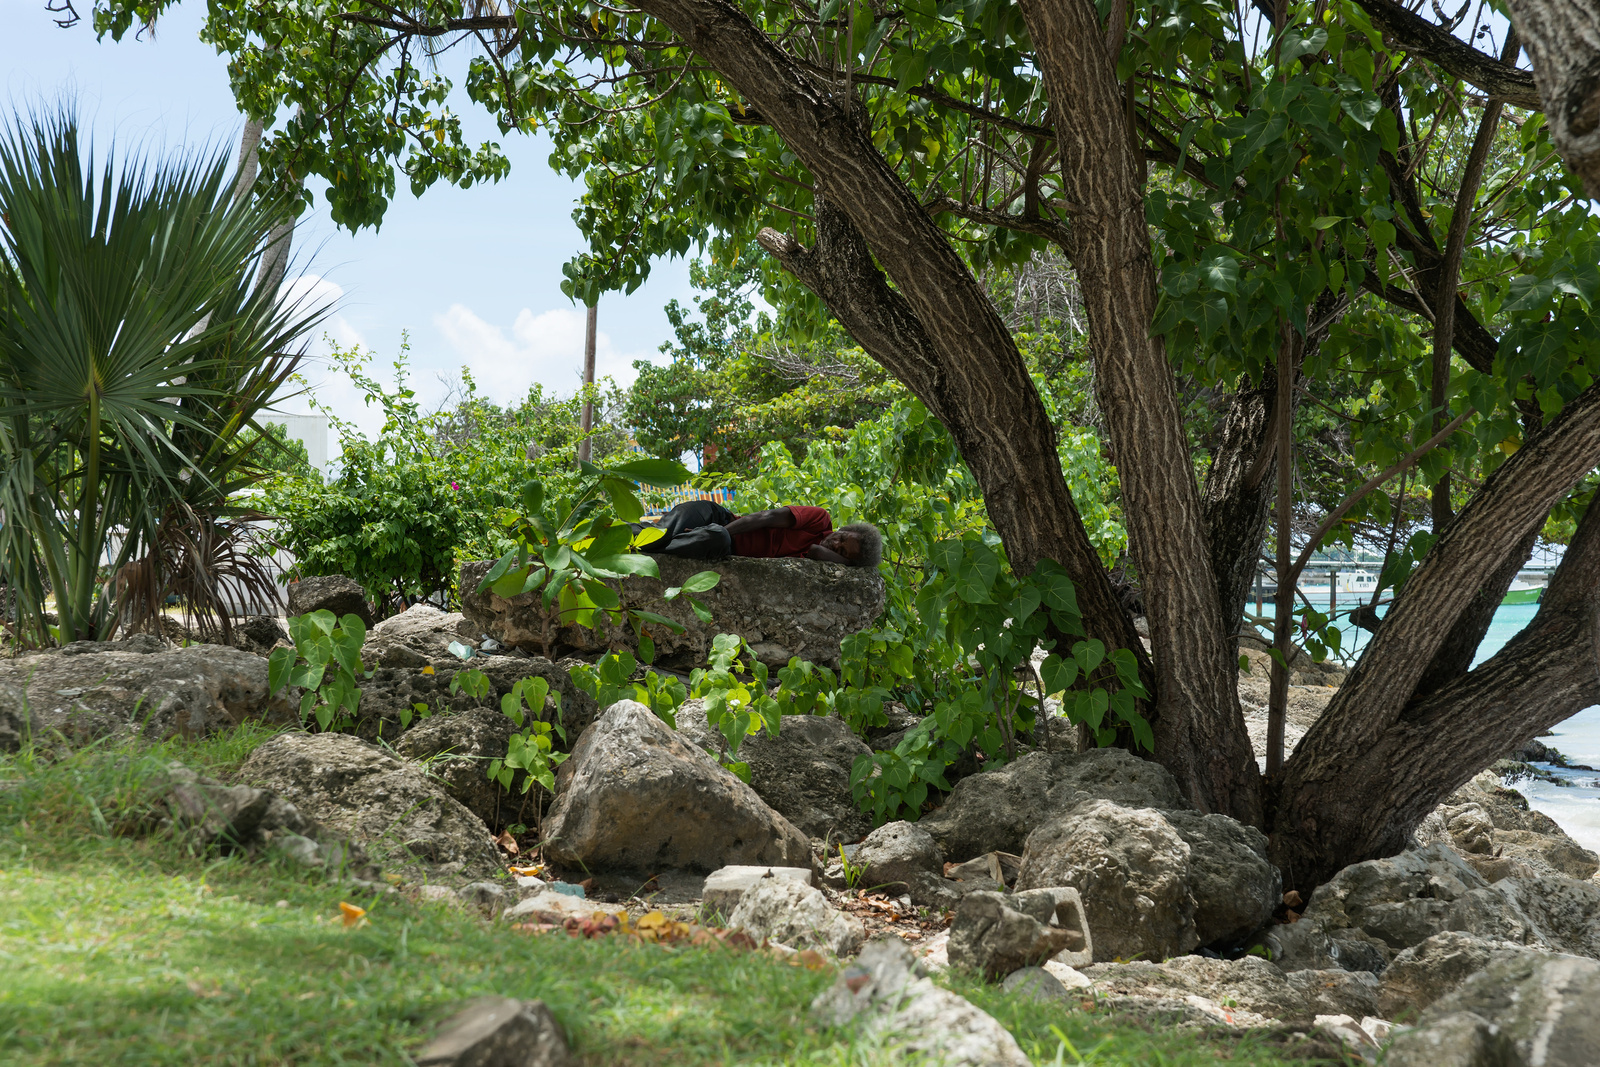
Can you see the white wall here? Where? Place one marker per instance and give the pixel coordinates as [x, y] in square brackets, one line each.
[310, 430]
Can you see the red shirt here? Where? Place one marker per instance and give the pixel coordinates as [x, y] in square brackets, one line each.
[810, 526]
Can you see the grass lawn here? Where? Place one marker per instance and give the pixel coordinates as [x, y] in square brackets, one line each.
[129, 950]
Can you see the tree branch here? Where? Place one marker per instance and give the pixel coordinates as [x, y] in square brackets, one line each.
[1437, 45]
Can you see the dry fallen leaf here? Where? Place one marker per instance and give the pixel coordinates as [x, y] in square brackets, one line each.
[353, 916]
[507, 842]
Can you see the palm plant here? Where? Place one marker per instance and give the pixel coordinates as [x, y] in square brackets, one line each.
[134, 349]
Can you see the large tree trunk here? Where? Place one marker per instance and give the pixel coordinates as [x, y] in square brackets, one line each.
[841, 271]
[1545, 674]
[1238, 495]
[1358, 756]
[1200, 733]
[964, 364]
[1563, 39]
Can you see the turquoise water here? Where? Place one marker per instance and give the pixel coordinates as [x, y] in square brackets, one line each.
[1576, 806]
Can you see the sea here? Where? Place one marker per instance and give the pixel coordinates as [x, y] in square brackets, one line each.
[1574, 804]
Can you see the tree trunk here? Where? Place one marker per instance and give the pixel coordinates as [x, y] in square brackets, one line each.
[1200, 733]
[1545, 674]
[586, 420]
[1004, 452]
[1238, 496]
[965, 365]
[1563, 39]
[1318, 806]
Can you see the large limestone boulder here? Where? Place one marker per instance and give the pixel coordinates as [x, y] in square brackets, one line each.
[1130, 866]
[996, 811]
[1405, 899]
[781, 607]
[416, 637]
[1235, 887]
[1495, 832]
[1155, 884]
[458, 748]
[90, 690]
[637, 798]
[1421, 974]
[329, 592]
[898, 852]
[803, 772]
[1248, 990]
[1564, 911]
[393, 808]
[1525, 1009]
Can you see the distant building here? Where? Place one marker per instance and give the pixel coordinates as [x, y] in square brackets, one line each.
[309, 430]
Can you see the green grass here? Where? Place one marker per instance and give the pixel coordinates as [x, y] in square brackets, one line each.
[127, 950]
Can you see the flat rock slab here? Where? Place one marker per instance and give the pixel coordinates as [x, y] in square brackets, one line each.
[724, 887]
[91, 690]
[781, 607]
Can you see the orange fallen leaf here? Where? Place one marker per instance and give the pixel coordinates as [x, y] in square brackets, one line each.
[528, 872]
[428, 669]
[353, 916]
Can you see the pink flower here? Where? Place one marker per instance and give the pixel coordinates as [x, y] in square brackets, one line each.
[456, 487]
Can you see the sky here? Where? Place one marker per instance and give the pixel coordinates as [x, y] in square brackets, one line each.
[473, 275]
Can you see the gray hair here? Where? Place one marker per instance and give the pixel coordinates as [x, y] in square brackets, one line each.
[870, 540]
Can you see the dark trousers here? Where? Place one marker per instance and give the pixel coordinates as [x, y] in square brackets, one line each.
[694, 530]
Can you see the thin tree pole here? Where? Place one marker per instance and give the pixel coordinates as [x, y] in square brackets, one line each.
[587, 423]
[1444, 304]
[1282, 640]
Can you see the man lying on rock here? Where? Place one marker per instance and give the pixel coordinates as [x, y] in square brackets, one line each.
[703, 529]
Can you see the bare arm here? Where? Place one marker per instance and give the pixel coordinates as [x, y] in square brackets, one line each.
[777, 518]
[826, 555]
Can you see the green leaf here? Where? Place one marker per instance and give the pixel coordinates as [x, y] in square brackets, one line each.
[703, 582]
[624, 501]
[279, 664]
[1059, 674]
[532, 495]
[602, 594]
[610, 541]
[622, 564]
[512, 583]
[1364, 109]
[501, 566]
[654, 471]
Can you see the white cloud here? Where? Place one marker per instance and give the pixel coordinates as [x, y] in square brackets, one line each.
[546, 348]
[332, 390]
[312, 291]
